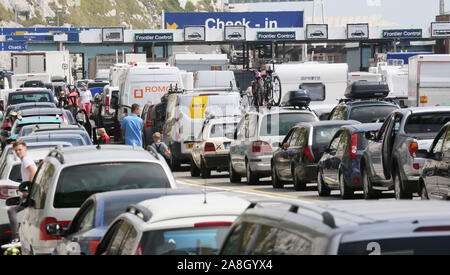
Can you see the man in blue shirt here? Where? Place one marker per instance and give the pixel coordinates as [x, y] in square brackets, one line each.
[132, 127]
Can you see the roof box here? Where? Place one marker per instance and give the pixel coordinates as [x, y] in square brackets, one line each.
[296, 98]
[367, 90]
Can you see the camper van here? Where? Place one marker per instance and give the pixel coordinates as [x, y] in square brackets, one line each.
[215, 79]
[325, 82]
[429, 82]
[142, 84]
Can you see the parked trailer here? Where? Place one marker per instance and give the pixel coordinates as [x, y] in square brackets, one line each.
[429, 81]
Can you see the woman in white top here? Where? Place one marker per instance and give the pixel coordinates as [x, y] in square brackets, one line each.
[86, 97]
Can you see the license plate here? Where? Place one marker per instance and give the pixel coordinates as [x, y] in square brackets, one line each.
[189, 146]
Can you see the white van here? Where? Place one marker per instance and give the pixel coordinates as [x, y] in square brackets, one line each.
[215, 79]
[191, 110]
[143, 84]
[326, 82]
[18, 79]
[115, 72]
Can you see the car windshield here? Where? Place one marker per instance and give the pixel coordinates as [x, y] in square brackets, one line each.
[438, 245]
[223, 130]
[77, 183]
[281, 124]
[371, 114]
[190, 241]
[29, 97]
[426, 123]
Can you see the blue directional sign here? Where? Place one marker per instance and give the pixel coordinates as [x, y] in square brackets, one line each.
[13, 47]
[218, 20]
[34, 38]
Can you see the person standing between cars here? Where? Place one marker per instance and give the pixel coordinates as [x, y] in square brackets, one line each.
[62, 100]
[159, 146]
[132, 127]
[103, 136]
[86, 97]
[28, 170]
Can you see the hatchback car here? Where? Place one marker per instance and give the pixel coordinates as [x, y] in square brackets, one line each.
[296, 159]
[339, 165]
[156, 227]
[212, 147]
[434, 182]
[30, 95]
[341, 228]
[96, 214]
[258, 132]
[68, 176]
[20, 123]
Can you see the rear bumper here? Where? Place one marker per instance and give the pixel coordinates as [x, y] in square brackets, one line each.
[261, 165]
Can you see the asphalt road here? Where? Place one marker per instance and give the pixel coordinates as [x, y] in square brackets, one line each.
[219, 182]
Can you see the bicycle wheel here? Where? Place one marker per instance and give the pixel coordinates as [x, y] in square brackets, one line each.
[259, 100]
[276, 91]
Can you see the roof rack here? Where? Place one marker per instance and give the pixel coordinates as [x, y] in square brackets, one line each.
[327, 217]
[57, 153]
[139, 211]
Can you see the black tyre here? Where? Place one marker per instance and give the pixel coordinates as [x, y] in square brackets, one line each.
[174, 163]
[204, 171]
[369, 193]
[252, 178]
[299, 185]
[322, 187]
[346, 192]
[276, 182]
[400, 192]
[234, 177]
[423, 191]
[195, 172]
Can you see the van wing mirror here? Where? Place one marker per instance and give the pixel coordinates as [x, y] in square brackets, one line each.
[13, 201]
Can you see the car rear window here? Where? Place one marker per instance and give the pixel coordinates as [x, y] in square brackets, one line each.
[77, 183]
[29, 97]
[438, 245]
[371, 114]
[323, 135]
[189, 241]
[426, 123]
[223, 130]
[281, 124]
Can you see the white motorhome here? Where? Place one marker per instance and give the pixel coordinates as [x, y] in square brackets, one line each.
[429, 81]
[18, 79]
[143, 84]
[326, 82]
[199, 62]
[215, 79]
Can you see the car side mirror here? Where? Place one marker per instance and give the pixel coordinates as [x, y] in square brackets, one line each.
[13, 201]
[55, 229]
[371, 135]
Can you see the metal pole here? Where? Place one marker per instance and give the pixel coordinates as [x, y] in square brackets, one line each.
[441, 7]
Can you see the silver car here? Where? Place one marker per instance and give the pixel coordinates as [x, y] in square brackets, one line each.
[390, 161]
[257, 134]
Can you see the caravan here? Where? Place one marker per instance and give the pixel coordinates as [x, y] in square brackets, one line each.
[326, 82]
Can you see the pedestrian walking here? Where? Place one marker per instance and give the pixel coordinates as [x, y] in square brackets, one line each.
[86, 97]
[160, 146]
[132, 127]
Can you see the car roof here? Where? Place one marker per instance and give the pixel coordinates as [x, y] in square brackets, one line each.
[39, 119]
[41, 111]
[50, 127]
[194, 206]
[35, 154]
[374, 102]
[328, 123]
[32, 104]
[364, 127]
[418, 110]
[278, 110]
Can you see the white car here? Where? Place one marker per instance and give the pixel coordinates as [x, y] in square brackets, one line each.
[212, 147]
[10, 179]
[161, 227]
[68, 176]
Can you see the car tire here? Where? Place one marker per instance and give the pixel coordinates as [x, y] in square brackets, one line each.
[400, 192]
[322, 188]
[299, 185]
[276, 182]
[369, 193]
[234, 177]
[346, 192]
[423, 192]
[195, 172]
[204, 171]
[252, 178]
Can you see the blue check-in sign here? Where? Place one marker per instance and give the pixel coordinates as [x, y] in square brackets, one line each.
[13, 47]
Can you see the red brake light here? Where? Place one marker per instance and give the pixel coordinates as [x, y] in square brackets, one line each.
[432, 229]
[308, 153]
[8, 191]
[413, 147]
[212, 224]
[416, 166]
[210, 147]
[261, 147]
[6, 124]
[107, 101]
[354, 146]
[93, 246]
[45, 222]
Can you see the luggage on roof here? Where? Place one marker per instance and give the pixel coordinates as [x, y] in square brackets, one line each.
[367, 90]
[296, 98]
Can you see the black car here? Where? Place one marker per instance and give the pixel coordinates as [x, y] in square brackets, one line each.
[339, 166]
[296, 160]
[235, 35]
[434, 183]
[195, 35]
[365, 102]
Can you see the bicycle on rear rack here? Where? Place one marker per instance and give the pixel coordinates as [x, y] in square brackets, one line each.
[266, 88]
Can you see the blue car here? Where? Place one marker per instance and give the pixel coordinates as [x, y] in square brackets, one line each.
[96, 214]
[339, 165]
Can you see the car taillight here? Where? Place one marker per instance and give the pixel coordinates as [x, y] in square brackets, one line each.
[413, 147]
[210, 147]
[261, 147]
[93, 246]
[148, 124]
[8, 192]
[46, 221]
[309, 154]
[212, 224]
[107, 105]
[354, 146]
[107, 101]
